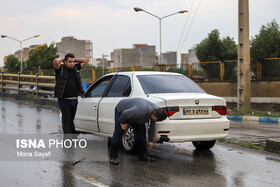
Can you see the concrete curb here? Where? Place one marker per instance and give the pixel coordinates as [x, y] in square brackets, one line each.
[273, 145]
[276, 121]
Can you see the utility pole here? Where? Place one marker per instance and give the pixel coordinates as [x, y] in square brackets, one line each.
[103, 61]
[243, 76]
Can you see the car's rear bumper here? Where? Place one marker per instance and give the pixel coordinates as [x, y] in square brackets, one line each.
[193, 130]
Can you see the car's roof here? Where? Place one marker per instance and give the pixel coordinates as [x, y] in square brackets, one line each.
[145, 73]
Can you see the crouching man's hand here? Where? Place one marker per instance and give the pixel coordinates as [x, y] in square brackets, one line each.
[124, 126]
[150, 145]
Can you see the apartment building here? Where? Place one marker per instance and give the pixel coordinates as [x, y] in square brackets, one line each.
[80, 48]
[169, 58]
[25, 52]
[140, 55]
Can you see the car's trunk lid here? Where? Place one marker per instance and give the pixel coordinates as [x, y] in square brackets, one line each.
[191, 105]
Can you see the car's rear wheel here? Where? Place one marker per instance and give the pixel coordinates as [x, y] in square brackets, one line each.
[203, 145]
[128, 140]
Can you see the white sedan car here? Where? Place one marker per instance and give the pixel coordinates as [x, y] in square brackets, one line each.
[193, 115]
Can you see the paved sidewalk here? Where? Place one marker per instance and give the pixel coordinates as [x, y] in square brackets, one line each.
[263, 134]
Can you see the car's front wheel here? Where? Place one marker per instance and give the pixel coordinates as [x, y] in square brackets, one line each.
[203, 145]
[128, 140]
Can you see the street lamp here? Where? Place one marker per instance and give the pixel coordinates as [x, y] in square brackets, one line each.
[160, 18]
[20, 42]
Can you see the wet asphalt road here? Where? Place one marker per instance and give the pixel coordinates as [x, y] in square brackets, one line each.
[253, 131]
[177, 164]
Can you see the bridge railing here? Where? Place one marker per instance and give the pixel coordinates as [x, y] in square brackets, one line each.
[28, 84]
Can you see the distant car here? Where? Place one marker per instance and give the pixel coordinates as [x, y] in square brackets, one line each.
[193, 115]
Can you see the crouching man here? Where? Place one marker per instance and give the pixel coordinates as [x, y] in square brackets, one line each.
[135, 112]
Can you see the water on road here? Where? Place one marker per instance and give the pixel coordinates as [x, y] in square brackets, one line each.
[176, 165]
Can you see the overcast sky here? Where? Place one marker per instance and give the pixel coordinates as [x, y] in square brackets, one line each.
[112, 24]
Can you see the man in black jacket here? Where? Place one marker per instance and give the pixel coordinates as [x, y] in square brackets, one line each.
[68, 87]
[135, 112]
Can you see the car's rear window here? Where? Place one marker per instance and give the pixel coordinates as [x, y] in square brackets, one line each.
[168, 84]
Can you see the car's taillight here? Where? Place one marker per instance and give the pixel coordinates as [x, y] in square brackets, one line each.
[171, 110]
[222, 110]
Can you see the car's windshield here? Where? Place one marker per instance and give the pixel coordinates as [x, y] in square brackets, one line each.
[168, 84]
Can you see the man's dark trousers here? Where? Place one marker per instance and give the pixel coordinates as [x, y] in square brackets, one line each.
[68, 108]
[139, 132]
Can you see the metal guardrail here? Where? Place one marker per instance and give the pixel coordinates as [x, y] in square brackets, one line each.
[215, 70]
[36, 84]
[269, 68]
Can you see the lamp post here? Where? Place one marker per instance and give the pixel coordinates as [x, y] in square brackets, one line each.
[160, 18]
[20, 43]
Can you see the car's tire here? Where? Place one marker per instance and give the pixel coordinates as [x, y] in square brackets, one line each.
[128, 140]
[203, 145]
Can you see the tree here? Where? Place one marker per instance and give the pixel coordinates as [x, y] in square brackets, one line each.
[209, 48]
[266, 44]
[213, 48]
[42, 55]
[12, 64]
[229, 49]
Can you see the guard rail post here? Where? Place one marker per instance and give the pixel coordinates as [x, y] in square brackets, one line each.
[2, 82]
[190, 70]
[37, 74]
[259, 70]
[18, 83]
[93, 75]
[222, 70]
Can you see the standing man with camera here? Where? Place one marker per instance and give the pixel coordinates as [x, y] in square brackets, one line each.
[68, 87]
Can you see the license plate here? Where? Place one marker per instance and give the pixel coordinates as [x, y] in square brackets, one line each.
[195, 111]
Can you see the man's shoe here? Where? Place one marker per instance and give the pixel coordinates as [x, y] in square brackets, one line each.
[151, 155]
[147, 158]
[114, 161]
